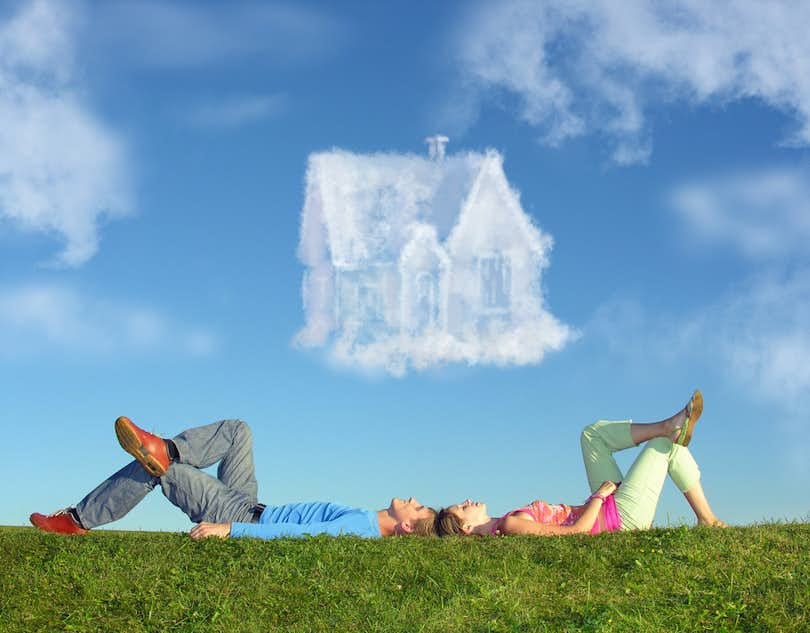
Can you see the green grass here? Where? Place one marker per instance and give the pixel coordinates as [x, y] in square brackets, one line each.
[740, 579]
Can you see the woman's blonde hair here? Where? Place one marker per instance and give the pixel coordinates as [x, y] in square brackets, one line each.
[448, 524]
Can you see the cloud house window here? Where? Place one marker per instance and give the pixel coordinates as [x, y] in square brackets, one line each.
[496, 280]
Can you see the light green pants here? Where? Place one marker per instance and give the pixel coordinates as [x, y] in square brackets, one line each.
[637, 497]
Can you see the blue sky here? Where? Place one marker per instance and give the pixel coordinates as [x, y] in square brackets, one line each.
[152, 178]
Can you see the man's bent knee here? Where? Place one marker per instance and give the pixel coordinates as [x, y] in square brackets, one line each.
[242, 430]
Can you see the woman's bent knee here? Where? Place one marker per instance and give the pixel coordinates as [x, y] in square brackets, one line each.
[589, 432]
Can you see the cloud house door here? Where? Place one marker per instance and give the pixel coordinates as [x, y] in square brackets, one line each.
[427, 304]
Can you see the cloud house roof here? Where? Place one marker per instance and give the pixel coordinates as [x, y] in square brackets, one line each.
[368, 203]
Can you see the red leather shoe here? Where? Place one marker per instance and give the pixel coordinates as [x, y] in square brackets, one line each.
[149, 450]
[61, 522]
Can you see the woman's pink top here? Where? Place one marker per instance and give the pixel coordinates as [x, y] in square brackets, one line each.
[562, 514]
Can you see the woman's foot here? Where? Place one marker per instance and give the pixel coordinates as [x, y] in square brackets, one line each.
[675, 424]
[713, 522]
[682, 424]
[677, 428]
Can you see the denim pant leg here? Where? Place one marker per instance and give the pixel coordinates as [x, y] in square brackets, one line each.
[116, 496]
[200, 496]
[229, 442]
[205, 498]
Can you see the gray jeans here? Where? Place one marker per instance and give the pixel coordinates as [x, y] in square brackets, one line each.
[231, 496]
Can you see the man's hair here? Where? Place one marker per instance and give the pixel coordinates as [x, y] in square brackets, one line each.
[427, 526]
[448, 524]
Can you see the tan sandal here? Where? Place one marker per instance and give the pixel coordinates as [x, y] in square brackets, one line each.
[693, 411]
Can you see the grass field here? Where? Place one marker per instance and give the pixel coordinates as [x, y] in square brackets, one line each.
[681, 579]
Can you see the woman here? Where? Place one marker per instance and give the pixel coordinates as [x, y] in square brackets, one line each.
[617, 502]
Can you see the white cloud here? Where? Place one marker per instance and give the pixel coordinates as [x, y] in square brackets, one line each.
[38, 38]
[61, 170]
[49, 319]
[238, 111]
[594, 66]
[518, 344]
[183, 35]
[413, 263]
[762, 212]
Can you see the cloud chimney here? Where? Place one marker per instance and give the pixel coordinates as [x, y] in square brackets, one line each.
[436, 146]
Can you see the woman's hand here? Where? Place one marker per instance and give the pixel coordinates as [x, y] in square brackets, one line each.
[606, 489]
[204, 530]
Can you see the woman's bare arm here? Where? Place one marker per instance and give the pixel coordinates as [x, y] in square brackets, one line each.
[517, 525]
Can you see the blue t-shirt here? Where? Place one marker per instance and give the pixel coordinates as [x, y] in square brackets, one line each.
[315, 517]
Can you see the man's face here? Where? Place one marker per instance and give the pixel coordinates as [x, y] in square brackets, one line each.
[469, 512]
[409, 510]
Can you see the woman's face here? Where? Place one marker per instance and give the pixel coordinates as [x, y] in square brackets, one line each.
[470, 513]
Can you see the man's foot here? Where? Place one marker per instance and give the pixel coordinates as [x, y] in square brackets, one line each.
[61, 522]
[682, 424]
[150, 450]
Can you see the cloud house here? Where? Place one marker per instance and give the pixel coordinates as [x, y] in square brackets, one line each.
[419, 261]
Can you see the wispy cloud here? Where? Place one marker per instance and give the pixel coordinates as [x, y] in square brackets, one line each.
[235, 112]
[755, 334]
[765, 338]
[172, 35]
[49, 319]
[754, 338]
[763, 212]
[579, 68]
[61, 169]
[413, 263]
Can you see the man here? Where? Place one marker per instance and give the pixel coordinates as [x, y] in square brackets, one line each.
[225, 505]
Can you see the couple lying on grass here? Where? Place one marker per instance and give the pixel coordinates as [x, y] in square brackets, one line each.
[227, 505]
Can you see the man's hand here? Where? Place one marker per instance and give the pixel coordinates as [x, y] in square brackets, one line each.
[204, 530]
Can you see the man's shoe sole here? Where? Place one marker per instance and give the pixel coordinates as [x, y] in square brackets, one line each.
[130, 442]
